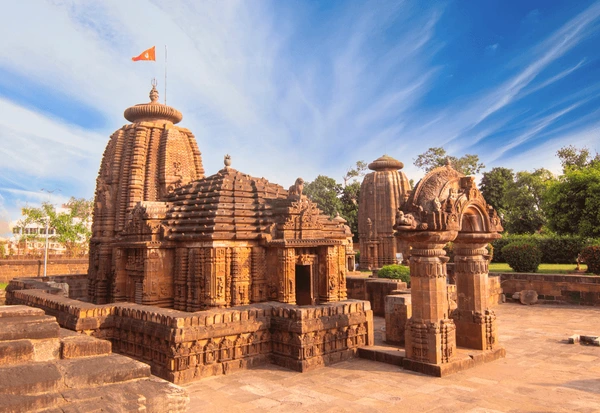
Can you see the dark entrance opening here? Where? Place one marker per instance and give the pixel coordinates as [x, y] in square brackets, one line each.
[303, 285]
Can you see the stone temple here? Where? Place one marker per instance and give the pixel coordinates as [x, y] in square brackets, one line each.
[166, 235]
[199, 276]
[382, 192]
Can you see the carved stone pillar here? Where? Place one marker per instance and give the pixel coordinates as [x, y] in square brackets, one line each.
[475, 322]
[240, 276]
[287, 275]
[430, 333]
[215, 263]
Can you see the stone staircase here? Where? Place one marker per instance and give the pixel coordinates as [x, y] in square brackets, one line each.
[44, 368]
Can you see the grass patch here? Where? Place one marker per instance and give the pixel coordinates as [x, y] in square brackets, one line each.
[542, 269]
[3, 286]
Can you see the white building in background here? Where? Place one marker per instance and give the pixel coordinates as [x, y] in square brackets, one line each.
[31, 238]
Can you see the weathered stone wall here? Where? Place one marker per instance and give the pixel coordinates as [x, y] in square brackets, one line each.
[373, 290]
[494, 290]
[10, 269]
[555, 288]
[182, 347]
[76, 285]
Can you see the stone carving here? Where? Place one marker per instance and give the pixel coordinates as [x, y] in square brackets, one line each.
[447, 206]
[295, 191]
[381, 194]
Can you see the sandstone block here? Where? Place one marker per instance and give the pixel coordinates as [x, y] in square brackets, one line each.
[29, 378]
[19, 403]
[28, 327]
[12, 352]
[20, 311]
[97, 371]
[84, 346]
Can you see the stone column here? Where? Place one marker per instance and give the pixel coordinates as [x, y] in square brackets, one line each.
[430, 333]
[287, 276]
[475, 322]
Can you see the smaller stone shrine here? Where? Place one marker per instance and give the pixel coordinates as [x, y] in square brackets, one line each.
[447, 206]
[382, 192]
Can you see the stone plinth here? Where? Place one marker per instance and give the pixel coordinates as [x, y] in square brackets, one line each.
[182, 346]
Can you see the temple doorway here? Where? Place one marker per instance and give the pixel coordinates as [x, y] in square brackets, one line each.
[303, 285]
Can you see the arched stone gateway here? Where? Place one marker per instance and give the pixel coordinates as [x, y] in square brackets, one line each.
[447, 206]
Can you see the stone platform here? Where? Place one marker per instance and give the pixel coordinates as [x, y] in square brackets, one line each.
[46, 368]
[182, 346]
[540, 373]
[391, 354]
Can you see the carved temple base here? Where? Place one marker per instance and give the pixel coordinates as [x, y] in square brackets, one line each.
[463, 360]
[182, 347]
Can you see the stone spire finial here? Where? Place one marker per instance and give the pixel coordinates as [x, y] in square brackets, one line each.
[385, 163]
[154, 92]
[448, 161]
[227, 161]
[153, 111]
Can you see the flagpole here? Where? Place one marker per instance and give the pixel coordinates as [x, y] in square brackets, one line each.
[165, 74]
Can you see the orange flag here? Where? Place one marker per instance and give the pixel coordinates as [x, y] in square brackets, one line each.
[146, 55]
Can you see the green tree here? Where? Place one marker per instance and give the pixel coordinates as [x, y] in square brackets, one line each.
[494, 185]
[325, 191]
[357, 171]
[435, 157]
[523, 199]
[72, 226]
[572, 203]
[349, 211]
[572, 157]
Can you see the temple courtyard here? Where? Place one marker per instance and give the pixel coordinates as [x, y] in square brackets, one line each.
[541, 373]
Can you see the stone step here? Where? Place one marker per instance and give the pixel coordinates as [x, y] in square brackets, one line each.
[30, 378]
[18, 403]
[106, 400]
[76, 346]
[97, 371]
[20, 311]
[382, 354]
[28, 327]
[17, 351]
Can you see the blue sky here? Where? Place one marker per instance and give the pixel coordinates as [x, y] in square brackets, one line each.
[295, 88]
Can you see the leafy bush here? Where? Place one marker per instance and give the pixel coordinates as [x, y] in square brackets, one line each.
[522, 256]
[556, 249]
[449, 248]
[490, 249]
[396, 272]
[591, 256]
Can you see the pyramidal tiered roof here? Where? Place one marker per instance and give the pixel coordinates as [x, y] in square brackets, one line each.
[233, 205]
[226, 205]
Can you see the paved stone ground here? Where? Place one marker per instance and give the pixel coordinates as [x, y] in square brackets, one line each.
[541, 373]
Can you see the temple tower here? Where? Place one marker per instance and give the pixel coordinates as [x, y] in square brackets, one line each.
[381, 194]
[143, 161]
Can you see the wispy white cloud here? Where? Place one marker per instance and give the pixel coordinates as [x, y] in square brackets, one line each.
[284, 96]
